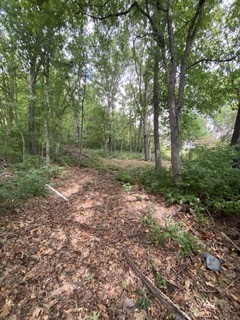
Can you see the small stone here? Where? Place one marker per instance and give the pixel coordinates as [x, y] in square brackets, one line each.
[211, 262]
[128, 303]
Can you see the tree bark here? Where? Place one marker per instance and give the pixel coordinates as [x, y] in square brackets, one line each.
[82, 119]
[31, 109]
[236, 131]
[146, 138]
[235, 141]
[47, 95]
[158, 162]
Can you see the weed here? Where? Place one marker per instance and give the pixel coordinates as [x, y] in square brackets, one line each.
[95, 315]
[89, 277]
[209, 181]
[144, 299]
[174, 231]
[127, 187]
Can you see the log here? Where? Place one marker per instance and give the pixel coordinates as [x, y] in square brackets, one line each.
[161, 297]
[57, 192]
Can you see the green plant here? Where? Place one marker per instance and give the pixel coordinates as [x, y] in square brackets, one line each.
[144, 299]
[174, 231]
[25, 182]
[29, 184]
[95, 315]
[127, 187]
[30, 162]
[209, 181]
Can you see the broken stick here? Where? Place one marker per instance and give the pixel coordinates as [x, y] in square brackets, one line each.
[161, 297]
[57, 192]
[234, 244]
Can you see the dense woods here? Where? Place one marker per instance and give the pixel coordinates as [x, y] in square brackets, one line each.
[113, 75]
[148, 77]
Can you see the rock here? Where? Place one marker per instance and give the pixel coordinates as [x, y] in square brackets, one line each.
[128, 304]
[211, 262]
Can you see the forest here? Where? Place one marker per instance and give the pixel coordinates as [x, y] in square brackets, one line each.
[119, 159]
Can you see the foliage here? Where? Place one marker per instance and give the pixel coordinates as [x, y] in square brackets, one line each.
[23, 185]
[209, 181]
[27, 180]
[159, 181]
[144, 299]
[212, 179]
[174, 231]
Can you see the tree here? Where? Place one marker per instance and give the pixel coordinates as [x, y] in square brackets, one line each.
[164, 24]
[32, 25]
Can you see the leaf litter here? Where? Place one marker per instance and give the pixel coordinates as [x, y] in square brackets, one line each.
[63, 260]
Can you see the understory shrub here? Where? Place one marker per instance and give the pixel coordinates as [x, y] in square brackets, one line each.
[173, 231]
[213, 179]
[26, 180]
[209, 181]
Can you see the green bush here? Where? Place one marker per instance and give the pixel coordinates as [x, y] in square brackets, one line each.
[30, 162]
[173, 231]
[27, 180]
[29, 184]
[212, 178]
[209, 180]
[22, 185]
[155, 181]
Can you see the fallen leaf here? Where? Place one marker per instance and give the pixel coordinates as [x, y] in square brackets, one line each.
[5, 310]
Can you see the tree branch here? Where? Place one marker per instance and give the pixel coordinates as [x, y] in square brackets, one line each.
[213, 60]
[191, 33]
[161, 297]
[111, 15]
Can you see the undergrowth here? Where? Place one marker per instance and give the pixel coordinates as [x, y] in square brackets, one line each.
[172, 231]
[209, 181]
[26, 180]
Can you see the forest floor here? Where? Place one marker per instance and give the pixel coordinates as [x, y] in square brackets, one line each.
[64, 259]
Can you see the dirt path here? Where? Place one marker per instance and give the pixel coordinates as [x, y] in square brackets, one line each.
[63, 260]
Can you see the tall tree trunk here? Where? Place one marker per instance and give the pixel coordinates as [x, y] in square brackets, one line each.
[146, 138]
[47, 120]
[139, 144]
[31, 110]
[236, 131]
[82, 119]
[235, 141]
[158, 162]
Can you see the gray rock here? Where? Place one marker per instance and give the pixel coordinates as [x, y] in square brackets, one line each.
[128, 303]
[211, 262]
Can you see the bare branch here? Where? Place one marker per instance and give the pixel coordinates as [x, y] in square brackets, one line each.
[161, 297]
[111, 15]
[214, 60]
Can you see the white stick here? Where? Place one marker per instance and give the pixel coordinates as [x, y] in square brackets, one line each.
[57, 192]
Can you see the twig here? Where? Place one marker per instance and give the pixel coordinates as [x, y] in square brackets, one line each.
[234, 244]
[231, 283]
[57, 192]
[161, 297]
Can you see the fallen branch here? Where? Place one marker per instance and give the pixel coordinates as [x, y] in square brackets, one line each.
[234, 244]
[57, 192]
[161, 297]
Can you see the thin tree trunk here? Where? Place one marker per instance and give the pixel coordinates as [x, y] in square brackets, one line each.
[82, 119]
[145, 121]
[47, 137]
[31, 110]
[139, 144]
[236, 131]
[235, 141]
[158, 162]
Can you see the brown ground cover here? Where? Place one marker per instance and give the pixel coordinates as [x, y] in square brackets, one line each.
[63, 260]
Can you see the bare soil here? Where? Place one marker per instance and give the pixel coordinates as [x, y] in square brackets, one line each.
[63, 259]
